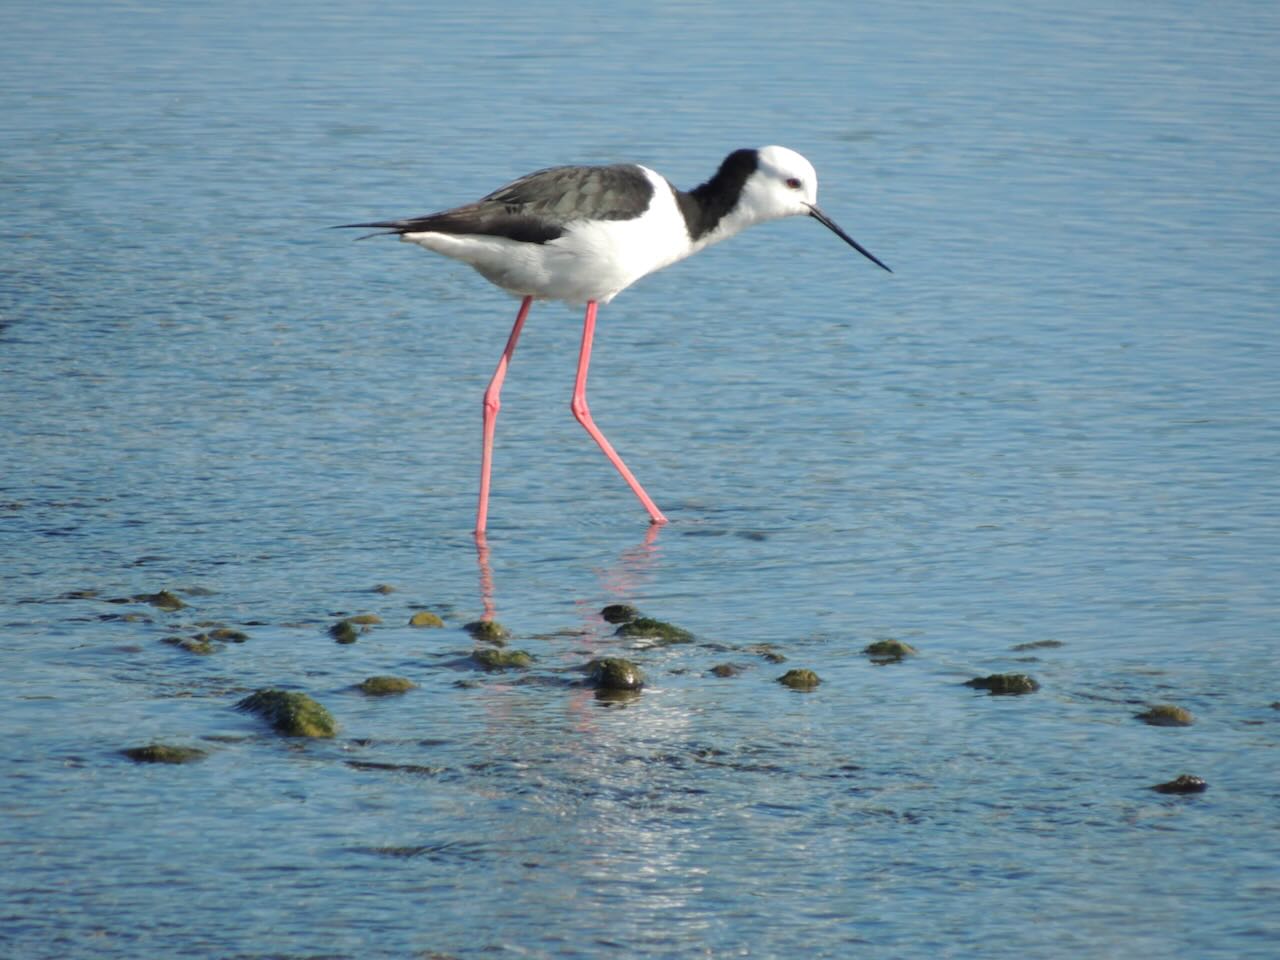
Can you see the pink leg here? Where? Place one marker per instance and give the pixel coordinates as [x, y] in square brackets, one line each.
[492, 404]
[580, 411]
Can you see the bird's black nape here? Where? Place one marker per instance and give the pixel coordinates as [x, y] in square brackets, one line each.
[707, 204]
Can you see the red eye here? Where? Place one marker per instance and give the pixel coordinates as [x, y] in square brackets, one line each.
[793, 183]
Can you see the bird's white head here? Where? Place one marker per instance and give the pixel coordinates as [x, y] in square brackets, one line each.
[784, 184]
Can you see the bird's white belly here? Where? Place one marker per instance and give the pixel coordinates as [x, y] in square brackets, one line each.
[592, 260]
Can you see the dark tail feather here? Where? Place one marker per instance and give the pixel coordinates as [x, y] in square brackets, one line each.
[387, 228]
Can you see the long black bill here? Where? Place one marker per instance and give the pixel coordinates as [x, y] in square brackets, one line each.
[830, 224]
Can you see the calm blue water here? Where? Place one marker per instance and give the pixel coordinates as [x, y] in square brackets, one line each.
[1055, 421]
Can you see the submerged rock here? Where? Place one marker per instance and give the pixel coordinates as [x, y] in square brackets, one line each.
[1039, 645]
[199, 644]
[164, 600]
[488, 631]
[766, 651]
[1166, 715]
[614, 673]
[365, 619]
[416, 768]
[650, 629]
[619, 613]
[425, 618]
[292, 714]
[163, 753]
[344, 631]
[1182, 784]
[383, 588]
[228, 635]
[726, 670]
[1005, 684]
[800, 679]
[889, 650]
[491, 658]
[385, 686]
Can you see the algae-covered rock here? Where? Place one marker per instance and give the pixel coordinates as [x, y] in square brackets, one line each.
[164, 600]
[491, 658]
[228, 635]
[293, 714]
[365, 619]
[383, 588]
[1166, 715]
[385, 686]
[800, 679]
[619, 613]
[650, 629]
[1182, 784]
[344, 631]
[488, 631]
[726, 670]
[164, 753]
[614, 673]
[425, 618]
[889, 650]
[1005, 684]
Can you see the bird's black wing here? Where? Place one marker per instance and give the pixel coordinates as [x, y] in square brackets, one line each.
[536, 208]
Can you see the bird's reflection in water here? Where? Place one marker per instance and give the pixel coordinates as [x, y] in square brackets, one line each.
[620, 580]
[486, 577]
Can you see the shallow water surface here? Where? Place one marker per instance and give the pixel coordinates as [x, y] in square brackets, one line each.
[1054, 422]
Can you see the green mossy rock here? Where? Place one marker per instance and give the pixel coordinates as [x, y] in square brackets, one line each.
[649, 629]
[800, 679]
[365, 619]
[614, 673]
[1005, 684]
[425, 618]
[1166, 715]
[385, 686]
[163, 753]
[292, 714]
[491, 658]
[228, 635]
